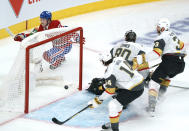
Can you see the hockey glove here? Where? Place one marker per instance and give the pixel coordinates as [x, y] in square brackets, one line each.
[105, 58]
[77, 40]
[20, 37]
[143, 66]
[95, 102]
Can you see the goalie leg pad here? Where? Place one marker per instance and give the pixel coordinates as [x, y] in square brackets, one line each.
[46, 56]
[57, 63]
[53, 55]
[67, 49]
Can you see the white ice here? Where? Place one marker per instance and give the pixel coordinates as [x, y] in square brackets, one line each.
[100, 29]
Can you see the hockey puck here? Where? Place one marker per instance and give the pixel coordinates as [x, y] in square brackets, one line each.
[66, 87]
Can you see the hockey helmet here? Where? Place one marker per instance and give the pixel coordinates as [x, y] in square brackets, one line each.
[130, 36]
[164, 23]
[46, 15]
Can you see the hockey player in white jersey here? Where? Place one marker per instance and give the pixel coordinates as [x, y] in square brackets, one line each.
[167, 46]
[127, 49]
[126, 83]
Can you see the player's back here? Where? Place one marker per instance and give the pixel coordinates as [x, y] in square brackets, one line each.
[121, 69]
[127, 50]
[171, 43]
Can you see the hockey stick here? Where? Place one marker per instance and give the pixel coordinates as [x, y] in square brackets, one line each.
[9, 32]
[56, 121]
[182, 87]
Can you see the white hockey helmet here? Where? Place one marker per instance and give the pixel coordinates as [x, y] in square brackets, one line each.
[164, 23]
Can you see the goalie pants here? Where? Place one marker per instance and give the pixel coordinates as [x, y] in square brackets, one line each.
[56, 54]
[170, 66]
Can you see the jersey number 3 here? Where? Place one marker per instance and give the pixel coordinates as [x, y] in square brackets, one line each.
[177, 41]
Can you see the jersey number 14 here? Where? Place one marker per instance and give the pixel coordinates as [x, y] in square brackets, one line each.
[131, 74]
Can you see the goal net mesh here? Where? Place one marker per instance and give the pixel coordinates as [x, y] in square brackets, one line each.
[50, 60]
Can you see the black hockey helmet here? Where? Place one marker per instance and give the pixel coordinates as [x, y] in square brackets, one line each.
[130, 36]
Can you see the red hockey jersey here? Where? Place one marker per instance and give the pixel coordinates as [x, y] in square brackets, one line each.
[53, 24]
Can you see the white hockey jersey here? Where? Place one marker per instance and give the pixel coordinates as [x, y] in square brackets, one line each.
[126, 78]
[168, 43]
[127, 50]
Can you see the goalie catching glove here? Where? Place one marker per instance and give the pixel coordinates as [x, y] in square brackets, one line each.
[20, 37]
[95, 102]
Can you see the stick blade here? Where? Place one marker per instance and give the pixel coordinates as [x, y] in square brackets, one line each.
[56, 121]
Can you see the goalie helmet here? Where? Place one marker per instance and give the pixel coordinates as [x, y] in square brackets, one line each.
[46, 15]
[164, 23]
[130, 36]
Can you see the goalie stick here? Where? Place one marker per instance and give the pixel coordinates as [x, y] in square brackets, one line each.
[9, 32]
[56, 121]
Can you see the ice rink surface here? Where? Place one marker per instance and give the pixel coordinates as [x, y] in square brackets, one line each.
[101, 30]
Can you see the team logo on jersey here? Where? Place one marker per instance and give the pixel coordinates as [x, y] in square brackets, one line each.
[109, 82]
[16, 6]
[156, 44]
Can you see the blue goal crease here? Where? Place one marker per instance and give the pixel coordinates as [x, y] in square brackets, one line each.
[65, 108]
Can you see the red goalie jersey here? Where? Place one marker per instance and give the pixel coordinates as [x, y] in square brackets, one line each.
[52, 24]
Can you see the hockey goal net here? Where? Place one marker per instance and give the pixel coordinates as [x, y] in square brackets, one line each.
[31, 70]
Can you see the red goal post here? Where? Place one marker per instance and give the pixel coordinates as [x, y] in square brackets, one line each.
[27, 61]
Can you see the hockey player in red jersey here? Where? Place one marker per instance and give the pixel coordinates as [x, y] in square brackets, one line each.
[56, 55]
[46, 24]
